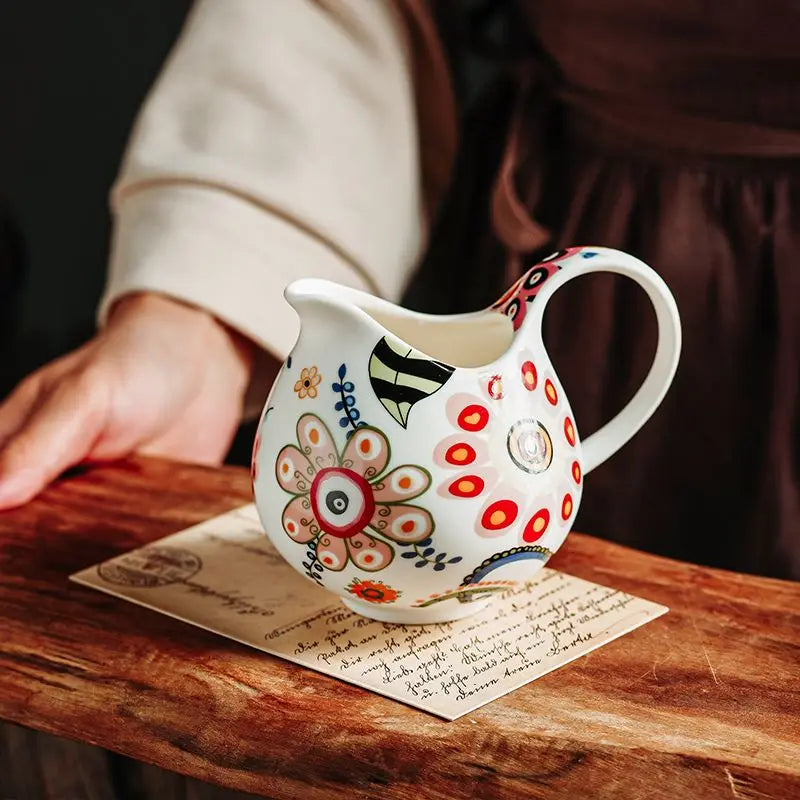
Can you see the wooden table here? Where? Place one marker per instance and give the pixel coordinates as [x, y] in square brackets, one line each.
[703, 702]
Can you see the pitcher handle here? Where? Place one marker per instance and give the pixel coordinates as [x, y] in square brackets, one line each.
[603, 443]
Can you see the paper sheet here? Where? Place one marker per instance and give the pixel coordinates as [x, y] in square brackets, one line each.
[224, 575]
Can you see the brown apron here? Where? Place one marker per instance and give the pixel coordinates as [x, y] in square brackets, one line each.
[670, 130]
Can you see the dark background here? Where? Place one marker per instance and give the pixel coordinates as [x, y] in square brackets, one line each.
[72, 75]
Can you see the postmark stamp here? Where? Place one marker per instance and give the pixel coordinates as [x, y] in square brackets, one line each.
[151, 567]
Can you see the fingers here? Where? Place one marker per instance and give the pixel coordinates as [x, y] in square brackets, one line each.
[163, 379]
[21, 403]
[18, 407]
[56, 435]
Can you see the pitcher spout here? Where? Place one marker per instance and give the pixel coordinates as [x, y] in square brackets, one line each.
[335, 312]
[308, 293]
[320, 303]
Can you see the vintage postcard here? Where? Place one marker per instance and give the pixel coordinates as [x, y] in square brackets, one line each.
[224, 575]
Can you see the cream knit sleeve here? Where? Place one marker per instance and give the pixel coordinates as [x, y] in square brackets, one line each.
[279, 142]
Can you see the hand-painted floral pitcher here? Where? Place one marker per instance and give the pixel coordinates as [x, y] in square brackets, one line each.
[417, 464]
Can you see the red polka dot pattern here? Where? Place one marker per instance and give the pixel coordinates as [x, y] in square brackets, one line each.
[460, 454]
[569, 431]
[473, 418]
[467, 486]
[537, 525]
[529, 376]
[566, 507]
[499, 515]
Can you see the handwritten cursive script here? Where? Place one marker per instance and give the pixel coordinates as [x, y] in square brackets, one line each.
[225, 576]
[528, 631]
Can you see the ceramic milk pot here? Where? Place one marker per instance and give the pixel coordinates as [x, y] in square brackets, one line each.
[416, 464]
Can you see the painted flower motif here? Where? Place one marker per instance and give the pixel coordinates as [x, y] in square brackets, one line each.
[502, 477]
[372, 591]
[346, 506]
[307, 385]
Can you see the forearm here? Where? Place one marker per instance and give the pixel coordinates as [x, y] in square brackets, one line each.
[279, 143]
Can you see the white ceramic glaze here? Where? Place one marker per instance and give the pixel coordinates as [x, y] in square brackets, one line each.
[417, 464]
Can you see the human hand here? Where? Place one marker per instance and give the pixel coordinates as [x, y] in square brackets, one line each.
[162, 378]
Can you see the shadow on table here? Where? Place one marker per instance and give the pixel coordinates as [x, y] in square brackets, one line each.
[37, 765]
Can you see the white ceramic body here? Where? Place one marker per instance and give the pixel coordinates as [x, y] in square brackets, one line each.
[425, 512]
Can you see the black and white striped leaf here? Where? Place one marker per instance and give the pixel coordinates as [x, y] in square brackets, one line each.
[402, 377]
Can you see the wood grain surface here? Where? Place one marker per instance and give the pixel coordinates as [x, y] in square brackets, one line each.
[703, 702]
